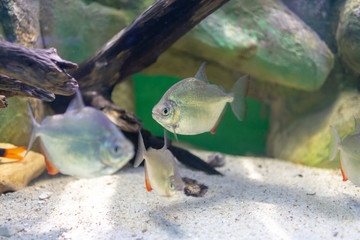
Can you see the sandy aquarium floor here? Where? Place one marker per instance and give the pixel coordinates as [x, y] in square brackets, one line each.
[256, 199]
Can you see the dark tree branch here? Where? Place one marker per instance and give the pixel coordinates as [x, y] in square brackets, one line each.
[140, 44]
[41, 68]
[11, 87]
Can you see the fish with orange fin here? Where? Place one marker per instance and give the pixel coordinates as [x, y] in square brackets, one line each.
[82, 142]
[161, 170]
[193, 105]
[12, 153]
[349, 155]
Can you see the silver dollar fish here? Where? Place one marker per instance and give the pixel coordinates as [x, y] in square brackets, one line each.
[161, 170]
[193, 105]
[82, 142]
[349, 153]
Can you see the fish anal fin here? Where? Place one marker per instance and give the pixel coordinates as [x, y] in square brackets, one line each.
[52, 170]
[13, 153]
[213, 130]
[342, 170]
[147, 183]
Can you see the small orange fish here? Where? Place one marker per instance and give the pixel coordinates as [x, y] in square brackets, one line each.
[12, 153]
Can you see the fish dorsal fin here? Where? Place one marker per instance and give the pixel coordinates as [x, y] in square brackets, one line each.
[357, 127]
[77, 103]
[201, 74]
[140, 151]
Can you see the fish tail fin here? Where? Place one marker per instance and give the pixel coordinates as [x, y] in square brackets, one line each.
[140, 151]
[36, 126]
[239, 90]
[14, 153]
[334, 143]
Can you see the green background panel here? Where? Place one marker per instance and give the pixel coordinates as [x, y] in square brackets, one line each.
[232, 136]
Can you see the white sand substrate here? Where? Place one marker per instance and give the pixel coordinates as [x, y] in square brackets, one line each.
[257, 198]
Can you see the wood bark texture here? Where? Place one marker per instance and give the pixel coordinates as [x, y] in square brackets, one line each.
[34, 72]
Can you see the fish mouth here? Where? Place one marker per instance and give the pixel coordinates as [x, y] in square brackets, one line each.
[155, 114]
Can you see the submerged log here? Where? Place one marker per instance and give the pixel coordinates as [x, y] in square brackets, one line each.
[140, 44]
[38, 68]
[12, 87]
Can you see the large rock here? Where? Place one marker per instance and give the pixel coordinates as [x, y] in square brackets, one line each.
[16, 175]
[20, 21]
[15, 123]
[306, 140]
[78, 30]
[348, 35]
[262, 38]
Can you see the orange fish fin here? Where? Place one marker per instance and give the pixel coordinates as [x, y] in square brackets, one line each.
[52, 170]
[13, 153]
[147, 183]
[342, 170]
[213, 130]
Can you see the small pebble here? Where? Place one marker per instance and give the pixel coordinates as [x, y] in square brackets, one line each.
[216, 160]
[194, 189]
[45, 195]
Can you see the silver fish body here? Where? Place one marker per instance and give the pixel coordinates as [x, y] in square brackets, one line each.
[82, 142]
[193, 105]
[161, 170]
[349, 149]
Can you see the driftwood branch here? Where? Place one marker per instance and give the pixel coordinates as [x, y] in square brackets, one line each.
[40, 68]
[12, 87]
[141, 43]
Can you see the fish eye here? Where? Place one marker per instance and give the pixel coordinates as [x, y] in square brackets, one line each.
[171, 186]
[116, 149]
[165, 111]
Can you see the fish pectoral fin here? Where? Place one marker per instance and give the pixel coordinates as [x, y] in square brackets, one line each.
[147, 183]
[174, 127]
[52, 170]
[13, 153]
[342, 170]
